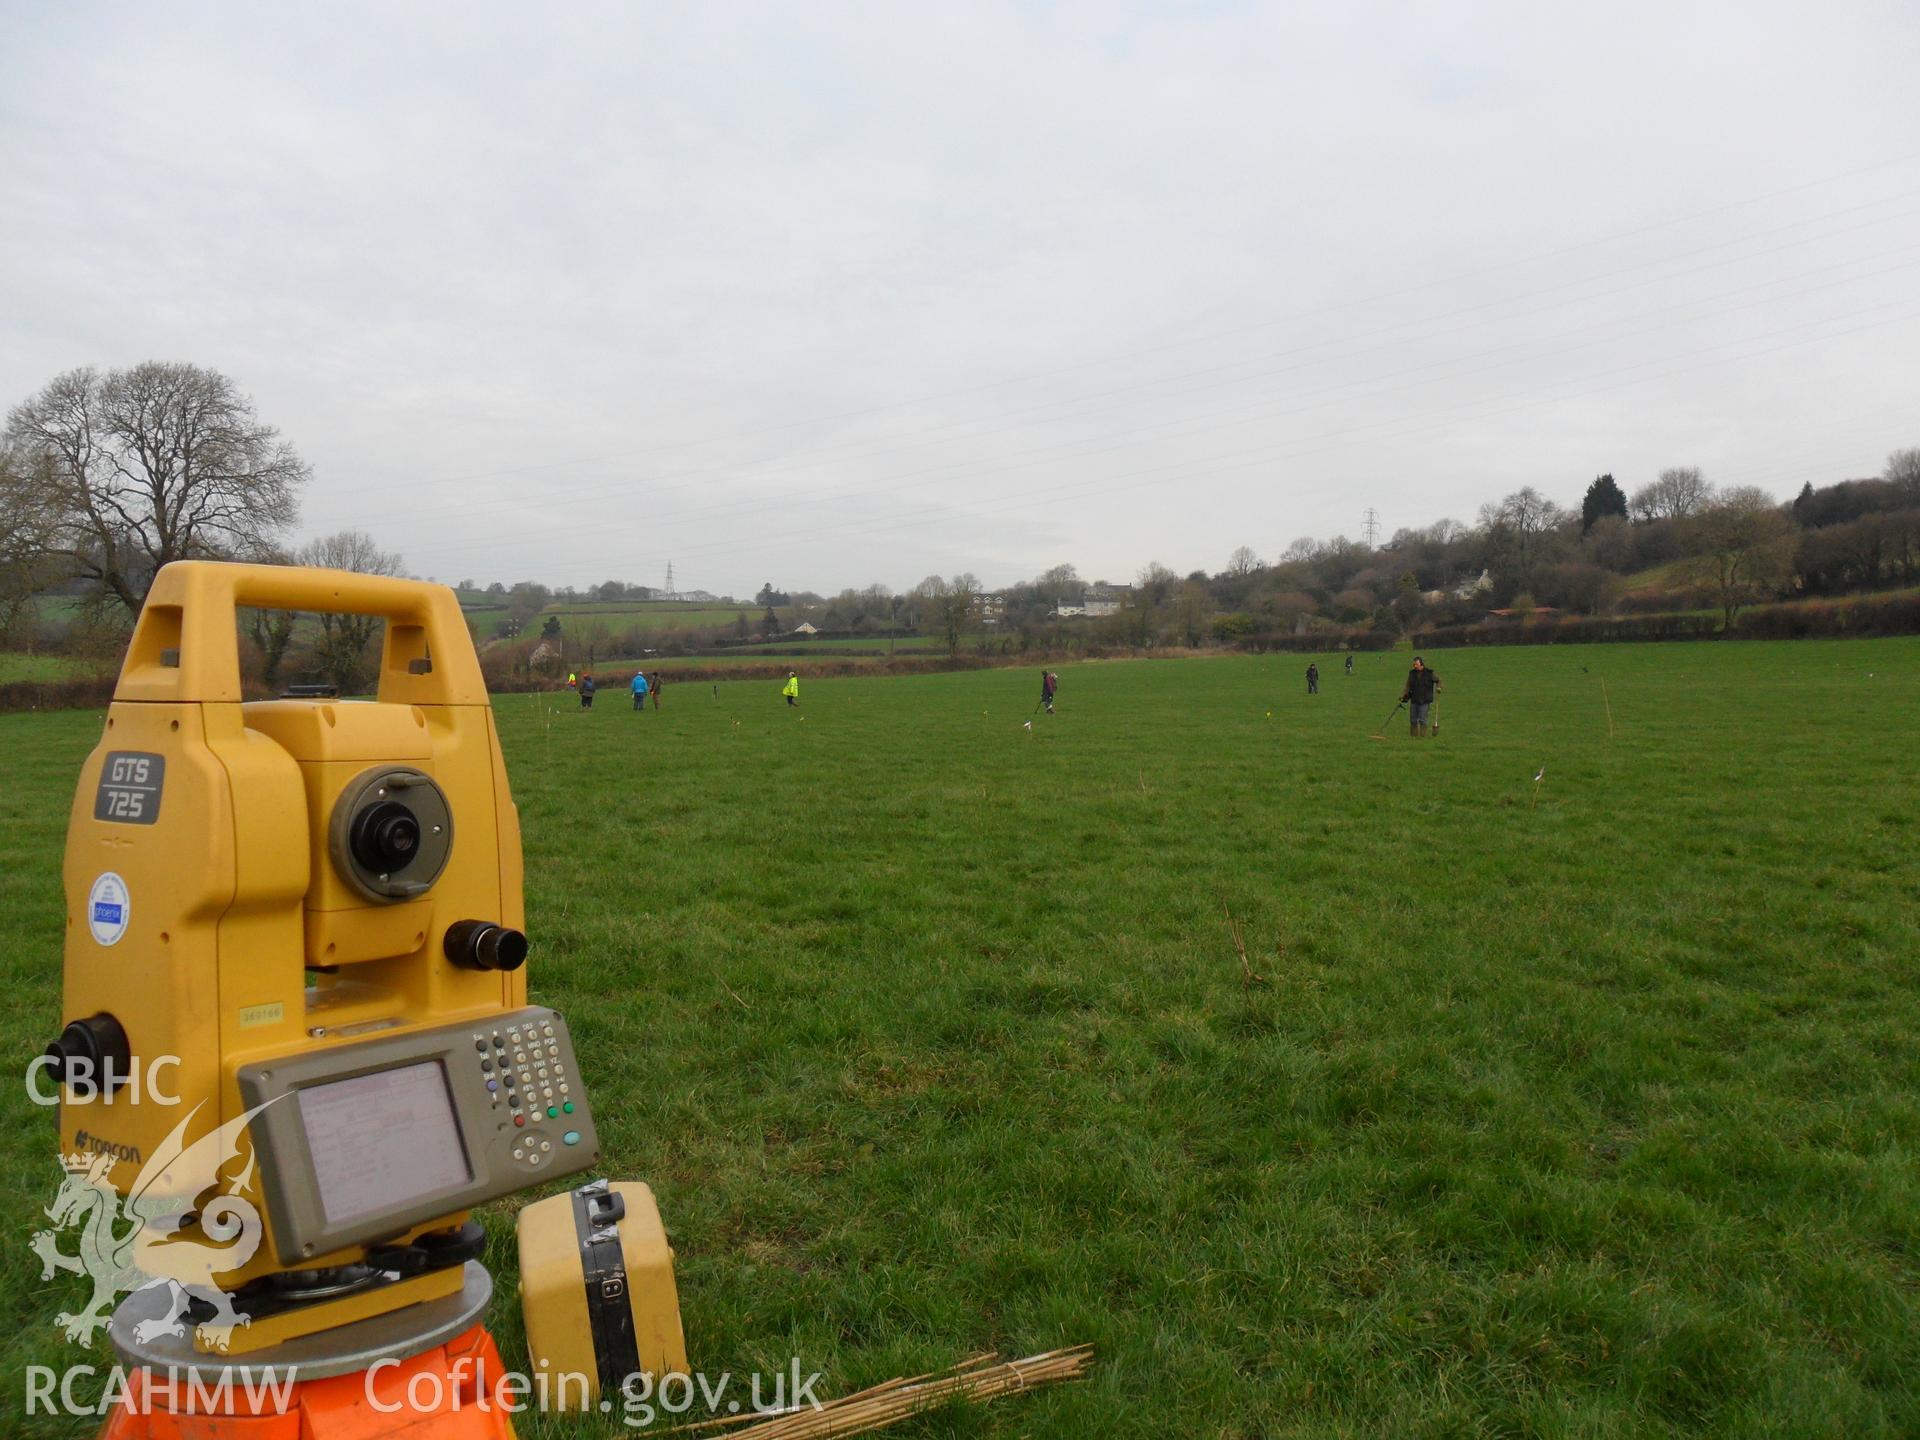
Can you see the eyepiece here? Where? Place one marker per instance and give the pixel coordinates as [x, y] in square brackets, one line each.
[482, 945]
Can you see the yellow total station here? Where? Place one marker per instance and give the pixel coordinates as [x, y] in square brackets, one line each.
[293, 986]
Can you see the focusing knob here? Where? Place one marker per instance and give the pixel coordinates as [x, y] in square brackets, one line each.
[91, 1052]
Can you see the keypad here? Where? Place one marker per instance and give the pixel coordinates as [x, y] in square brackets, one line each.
[533, 1150]
[526, 1079]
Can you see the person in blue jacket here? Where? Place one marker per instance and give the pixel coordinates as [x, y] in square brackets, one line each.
[639, 689]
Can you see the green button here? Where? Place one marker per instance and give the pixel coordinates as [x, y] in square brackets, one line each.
[552, 1113]
[568, 1107]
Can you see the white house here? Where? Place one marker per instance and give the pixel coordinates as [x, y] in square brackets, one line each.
[1467, 589]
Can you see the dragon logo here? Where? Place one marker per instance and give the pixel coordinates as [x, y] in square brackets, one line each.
[168, 1231]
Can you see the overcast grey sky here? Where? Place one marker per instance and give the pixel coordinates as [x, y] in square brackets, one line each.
[828, 294]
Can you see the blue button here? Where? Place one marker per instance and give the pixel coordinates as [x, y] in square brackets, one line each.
[572, 1137]
[493, 1084]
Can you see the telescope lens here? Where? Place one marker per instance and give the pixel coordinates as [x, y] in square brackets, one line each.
[399, 837]
[390, 833]
[385, 836]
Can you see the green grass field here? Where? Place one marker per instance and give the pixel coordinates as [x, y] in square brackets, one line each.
[904, 644]
[745, 657]
[1584, 1110]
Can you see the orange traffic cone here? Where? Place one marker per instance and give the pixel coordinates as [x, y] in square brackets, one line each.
[449, 1392]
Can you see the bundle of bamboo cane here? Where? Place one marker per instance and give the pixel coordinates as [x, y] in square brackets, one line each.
[977, 1378]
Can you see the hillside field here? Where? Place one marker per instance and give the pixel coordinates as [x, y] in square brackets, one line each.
[618, 616]
[1584, 1108]
[906, 643]
[15, 665]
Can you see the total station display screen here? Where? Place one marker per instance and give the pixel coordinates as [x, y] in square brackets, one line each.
[383, 1140]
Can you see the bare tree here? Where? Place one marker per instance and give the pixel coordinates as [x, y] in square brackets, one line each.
[1903, 470]
[1686, 489]
[1155, 584]
[923, 602]
[1192, 607]
[158, 463]
[271, 630]
[1680, 492]
[1243, 562]
[596, 639]
[876, 602]
[1302, 551]
[1060, 585]
[341, 651]
[955, 608]
[1526, 510]
[27, 526]
[1518, 523]
[1746, 547]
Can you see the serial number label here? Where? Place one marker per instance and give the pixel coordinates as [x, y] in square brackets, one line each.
[130, 785]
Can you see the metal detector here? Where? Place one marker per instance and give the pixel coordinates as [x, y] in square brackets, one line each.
[1380, 734]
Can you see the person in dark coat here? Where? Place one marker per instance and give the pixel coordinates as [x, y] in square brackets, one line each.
[586, 691]
[1422, 685]
[1049, 685]
[1313, 677]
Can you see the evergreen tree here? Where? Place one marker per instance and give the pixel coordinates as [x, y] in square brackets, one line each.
[1604, 497]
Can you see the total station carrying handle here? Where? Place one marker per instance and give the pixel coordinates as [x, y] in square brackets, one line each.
[186, 647]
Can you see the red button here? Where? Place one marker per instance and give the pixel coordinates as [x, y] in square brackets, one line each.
[519, 1119]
